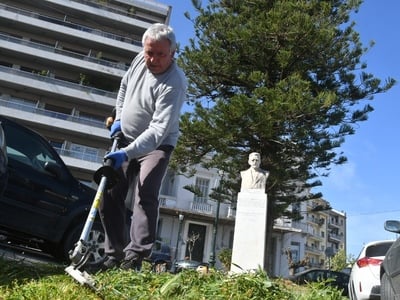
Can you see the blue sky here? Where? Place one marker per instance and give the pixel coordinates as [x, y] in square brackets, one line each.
[366, 187]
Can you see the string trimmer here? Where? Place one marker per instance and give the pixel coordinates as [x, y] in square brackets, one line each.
[105, 177]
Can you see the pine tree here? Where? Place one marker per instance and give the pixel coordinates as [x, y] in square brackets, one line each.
[284, 78]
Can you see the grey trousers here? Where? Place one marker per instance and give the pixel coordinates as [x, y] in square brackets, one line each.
[139, 187]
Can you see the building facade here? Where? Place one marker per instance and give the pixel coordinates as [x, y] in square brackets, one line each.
[317, 235]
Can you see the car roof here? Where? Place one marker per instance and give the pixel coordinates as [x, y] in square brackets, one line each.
[317, 269]
[377, 242]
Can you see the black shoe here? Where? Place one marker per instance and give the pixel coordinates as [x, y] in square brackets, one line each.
[109, 263]
[132, 262]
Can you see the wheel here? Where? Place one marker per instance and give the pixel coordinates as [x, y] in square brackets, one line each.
[387, 292]
[95, 243]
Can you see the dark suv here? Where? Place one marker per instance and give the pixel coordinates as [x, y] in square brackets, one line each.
[390, 267]
[42, 203]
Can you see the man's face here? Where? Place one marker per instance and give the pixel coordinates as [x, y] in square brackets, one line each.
[158, 55]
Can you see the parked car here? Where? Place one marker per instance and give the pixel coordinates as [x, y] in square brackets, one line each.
[337, 279]
[390, 267]
[3, 161]
[43, 205]
[364, 277]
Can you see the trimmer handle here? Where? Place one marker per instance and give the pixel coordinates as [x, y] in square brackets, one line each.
[107, 169]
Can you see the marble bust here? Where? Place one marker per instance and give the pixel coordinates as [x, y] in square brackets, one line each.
[254, 177]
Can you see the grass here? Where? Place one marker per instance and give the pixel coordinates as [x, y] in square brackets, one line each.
[21, 280]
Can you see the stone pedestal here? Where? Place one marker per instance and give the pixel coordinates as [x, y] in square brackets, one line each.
[249, 243]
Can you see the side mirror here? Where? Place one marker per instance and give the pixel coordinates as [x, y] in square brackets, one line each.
[54, 169]
[392, 226]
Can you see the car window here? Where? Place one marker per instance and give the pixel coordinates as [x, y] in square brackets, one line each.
[35, 156]
[314, 276]
[340, 277]
[378, 249]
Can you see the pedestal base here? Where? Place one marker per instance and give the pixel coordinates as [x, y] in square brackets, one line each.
[248, 251]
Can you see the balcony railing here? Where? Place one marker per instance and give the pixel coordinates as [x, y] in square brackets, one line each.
[103, 6]
[80, 155]
[52, 114]
[313, 249]
[168, 202]
[226, 211]
[72, 25]
[334, 224]
[58, 82]
[204, 208]
[336, 237]
[71, 54]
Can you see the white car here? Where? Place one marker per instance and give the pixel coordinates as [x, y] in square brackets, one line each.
[364, 280]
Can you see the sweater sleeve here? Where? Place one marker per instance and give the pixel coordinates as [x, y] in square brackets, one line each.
[120, 98]
[165, 119]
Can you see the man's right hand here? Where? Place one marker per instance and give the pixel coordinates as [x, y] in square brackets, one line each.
[115, 127]
[118, 157]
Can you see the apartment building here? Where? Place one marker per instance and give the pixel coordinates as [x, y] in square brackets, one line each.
[317, 235]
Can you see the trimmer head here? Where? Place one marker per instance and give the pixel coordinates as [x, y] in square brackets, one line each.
[82, 277]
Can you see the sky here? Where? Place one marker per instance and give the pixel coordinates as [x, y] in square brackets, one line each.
[366, 188]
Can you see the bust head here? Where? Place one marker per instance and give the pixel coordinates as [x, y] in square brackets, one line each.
[254, 160]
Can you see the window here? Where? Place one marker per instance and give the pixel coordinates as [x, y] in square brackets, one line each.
[168, 187]
[295, 249]
[202, 184]
[379, 249]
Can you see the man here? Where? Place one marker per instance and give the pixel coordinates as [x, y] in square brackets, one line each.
[147, 112]
[254, 177]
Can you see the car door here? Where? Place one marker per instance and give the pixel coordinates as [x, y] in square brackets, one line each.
[38, 186]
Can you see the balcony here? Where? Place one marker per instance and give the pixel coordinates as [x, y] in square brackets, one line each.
[313, 249]
[335, 237]
[48, 84]
[202, 208]
[170, 202]
[30, 17]
[60, 55]
[52, 114]
[167, 202]
[334, 224]
[318, 221]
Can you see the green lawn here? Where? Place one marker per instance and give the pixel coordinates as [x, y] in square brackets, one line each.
[21, 280]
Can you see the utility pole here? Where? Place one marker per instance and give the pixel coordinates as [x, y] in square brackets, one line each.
[217, 195]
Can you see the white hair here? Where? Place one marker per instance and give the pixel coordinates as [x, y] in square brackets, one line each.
[158, 32]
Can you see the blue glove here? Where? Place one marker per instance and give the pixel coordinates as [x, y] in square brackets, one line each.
[118, 157]
[115, 127]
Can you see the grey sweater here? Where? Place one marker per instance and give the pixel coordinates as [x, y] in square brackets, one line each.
[149, 107]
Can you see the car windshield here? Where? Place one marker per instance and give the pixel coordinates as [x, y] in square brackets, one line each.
[378, 249]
